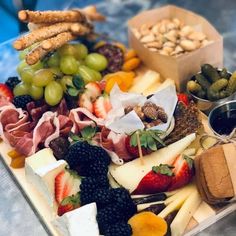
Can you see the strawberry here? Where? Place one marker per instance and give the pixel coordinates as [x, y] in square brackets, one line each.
[68, 204]
[157, 180]
[93, 90]
[102, 106]
[66, 184]
[133, 150]
[6, 92]
[183, 171]
[148, 142]
[182, 97]
[85, 102]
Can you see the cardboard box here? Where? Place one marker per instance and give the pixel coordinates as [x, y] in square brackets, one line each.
[183, 67]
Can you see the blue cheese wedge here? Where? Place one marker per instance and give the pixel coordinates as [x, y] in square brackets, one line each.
[79, 222]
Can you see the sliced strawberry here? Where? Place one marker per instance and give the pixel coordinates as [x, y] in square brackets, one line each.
[133, 150]
[157, 180]
[182, 97]
[6, 92]
[66, 184]
[85, 102]
[93, 90]
[68, 204]
[102, 106]
[183, 172]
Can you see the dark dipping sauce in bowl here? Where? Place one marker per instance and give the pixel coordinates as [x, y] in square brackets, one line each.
[224, 122]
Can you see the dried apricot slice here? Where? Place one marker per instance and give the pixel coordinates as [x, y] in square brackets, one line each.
[147, 224]
[130, 54]
[112, 81]
[18, 162]
[14, 154]
[131, 64]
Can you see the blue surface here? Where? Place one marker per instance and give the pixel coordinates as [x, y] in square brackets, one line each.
[16, 217]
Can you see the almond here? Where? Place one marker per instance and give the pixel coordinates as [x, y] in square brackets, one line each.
[196, 36]
[154, 44]
[186, 30]
[147, 39]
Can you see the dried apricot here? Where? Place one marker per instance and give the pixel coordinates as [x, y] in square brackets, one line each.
[111, 82]
[131, 64]
[148, 224]
[18, 162]
[130, 54]
[14, 154]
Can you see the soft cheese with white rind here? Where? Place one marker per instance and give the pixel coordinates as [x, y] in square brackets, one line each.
[43, 179]
[79, 222]
[130, 174]
[185, 213]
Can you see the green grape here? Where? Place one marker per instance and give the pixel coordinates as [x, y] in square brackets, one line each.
[96, 61]
[37, 66]
[53, 93]
[66, 80]
[21, 66]
[67, 50]
[42, 77]
[36, 92]
[22, 54]
[68, 65]
[54, 60]
[81, 51]
[21, 89]
[87, 74]
[56, 71]
[27, 75]
[97, 75]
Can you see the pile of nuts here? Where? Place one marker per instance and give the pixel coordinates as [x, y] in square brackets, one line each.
[170, 37]
[150, 114]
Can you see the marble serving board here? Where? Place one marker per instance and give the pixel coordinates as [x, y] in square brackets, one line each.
[201, 219]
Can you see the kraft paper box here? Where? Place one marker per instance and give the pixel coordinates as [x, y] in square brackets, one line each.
[185, 66]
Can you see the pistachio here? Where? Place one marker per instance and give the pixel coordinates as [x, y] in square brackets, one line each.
[148, 38]
[162, 29]
[169, 44]
[186, 30]
[168, 49]
[154, 44]
[177, 22]
[188, 45]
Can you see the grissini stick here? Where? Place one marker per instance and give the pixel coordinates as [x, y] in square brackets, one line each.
[79, 29]
[41, 34]
[51, 17]
[92, 13]
[55, 42]
[32, 26]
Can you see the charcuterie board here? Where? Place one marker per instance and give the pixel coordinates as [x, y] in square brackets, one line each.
[203, 217]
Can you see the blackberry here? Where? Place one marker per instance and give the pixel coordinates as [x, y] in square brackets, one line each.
[95, 168]
[100, 153]
[21, 101]
[60, 147]
[107, 216]
[123, 199]
[77, 155]
[12, 82]
[120, 229]
[94, 183]
[114, 56]
[86, 196]
[102, 197]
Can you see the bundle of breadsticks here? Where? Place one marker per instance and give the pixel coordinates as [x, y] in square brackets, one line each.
[51, 29]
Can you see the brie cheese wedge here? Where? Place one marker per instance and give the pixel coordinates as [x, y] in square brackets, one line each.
[79, 222]
[41, 170]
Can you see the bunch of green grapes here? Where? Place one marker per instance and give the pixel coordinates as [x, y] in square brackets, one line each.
[49, 78]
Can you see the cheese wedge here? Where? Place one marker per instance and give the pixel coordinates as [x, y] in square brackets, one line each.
[151, 89]
[147, 80]
[130, 174]
[203, 212]
[79, 222]
[185, 213]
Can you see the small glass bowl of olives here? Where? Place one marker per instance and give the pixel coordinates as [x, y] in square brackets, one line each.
[212, 87]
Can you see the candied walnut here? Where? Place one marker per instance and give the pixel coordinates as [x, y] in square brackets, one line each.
[128, 109]
[150, 112]
[139, 112]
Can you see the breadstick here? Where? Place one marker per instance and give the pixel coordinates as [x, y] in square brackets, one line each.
[79, 29]
[36, 54]
[57, 41]
[33, 26]
[41, 34]
[92, 13]
[51, 16]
